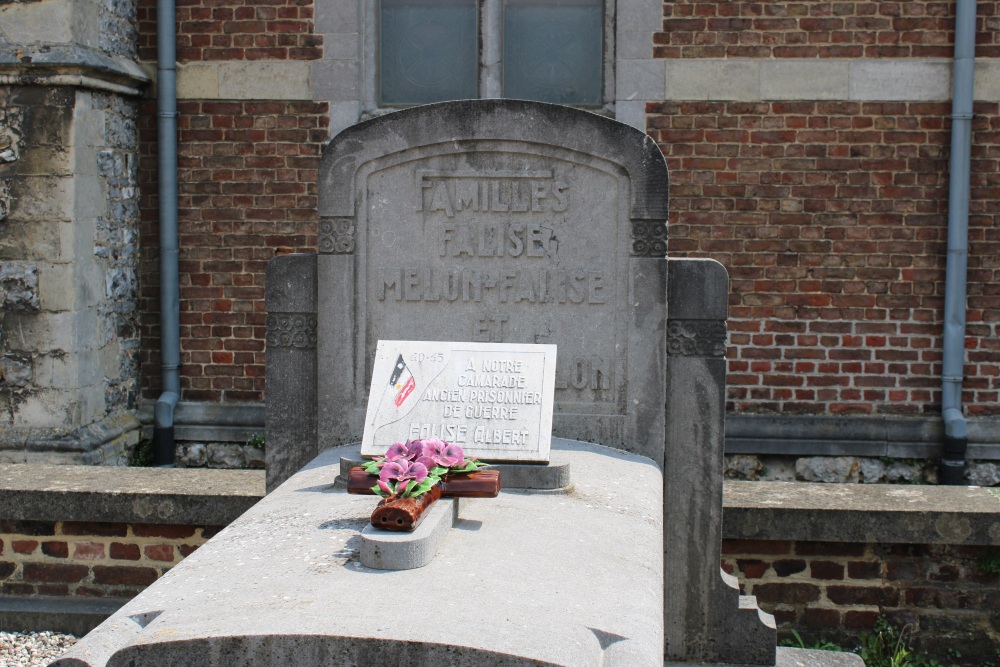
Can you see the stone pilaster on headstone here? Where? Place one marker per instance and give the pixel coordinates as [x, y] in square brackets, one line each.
[705, 618]
[290, 410]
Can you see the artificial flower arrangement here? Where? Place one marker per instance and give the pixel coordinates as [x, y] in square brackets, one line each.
[409, 469]
[414, 474]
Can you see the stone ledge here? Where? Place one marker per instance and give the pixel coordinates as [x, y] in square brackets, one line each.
[126, 495]
[60, 64]
[901, 514]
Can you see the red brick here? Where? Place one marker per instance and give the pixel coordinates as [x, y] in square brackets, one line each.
[54, 572]
[789, 566]
[824, 569]
[863, 595]
[813, 617]
[787, 593]
[88, 551]
[160, 552]
[24, 546]
[122, 551]
[110, 575]
[55, 549]
[162, 530]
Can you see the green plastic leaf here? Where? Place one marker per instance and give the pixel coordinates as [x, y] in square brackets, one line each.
[378, 491]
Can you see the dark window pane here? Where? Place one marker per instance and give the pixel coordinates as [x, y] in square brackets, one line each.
[428, 51]
[553, 50]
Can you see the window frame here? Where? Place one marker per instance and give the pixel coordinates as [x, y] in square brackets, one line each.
[490, 65]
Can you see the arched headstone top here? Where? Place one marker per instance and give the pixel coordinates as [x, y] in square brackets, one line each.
[495, 120]
[498, 221]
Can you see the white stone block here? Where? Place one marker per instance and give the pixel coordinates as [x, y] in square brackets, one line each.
[198, 81]
[259, 80]
[900, 80]
[804, 79]
[712, 80]
[639, 80]
[987, 82]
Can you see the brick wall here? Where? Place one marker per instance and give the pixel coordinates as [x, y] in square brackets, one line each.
[90, 559]
[831, 218]
[836, 591]
[235, 30]
[818, 29]
[247, 191]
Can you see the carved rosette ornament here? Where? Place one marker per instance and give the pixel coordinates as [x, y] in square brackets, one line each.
[290, 330]
[336, 236]
[696, 338]
[649, 239]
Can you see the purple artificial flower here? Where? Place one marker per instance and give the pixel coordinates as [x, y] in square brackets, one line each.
[451, 457]
[403, 470]
[403, 450]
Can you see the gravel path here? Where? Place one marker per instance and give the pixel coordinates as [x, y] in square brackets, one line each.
[19, 649]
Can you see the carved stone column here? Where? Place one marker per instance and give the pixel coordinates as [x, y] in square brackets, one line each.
[705, 618]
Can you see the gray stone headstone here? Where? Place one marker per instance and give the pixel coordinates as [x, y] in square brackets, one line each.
[519, 222]
[494, 221]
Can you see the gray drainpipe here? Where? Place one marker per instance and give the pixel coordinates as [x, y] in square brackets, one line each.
[170, 348]
[956, 432]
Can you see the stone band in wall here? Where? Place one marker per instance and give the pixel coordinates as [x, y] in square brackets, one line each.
[696, 338]
[291, 330]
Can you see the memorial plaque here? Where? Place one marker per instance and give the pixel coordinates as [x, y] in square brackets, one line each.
[495, 401]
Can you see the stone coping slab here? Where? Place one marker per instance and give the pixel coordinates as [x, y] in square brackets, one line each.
[889, 513]
[523, 579]
[33, 492]
[886, 513]
[797, 657]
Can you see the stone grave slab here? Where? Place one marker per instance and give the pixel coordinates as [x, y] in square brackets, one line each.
[523, 579]
[493, 400]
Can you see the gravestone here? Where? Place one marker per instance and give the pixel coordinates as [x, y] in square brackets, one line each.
[518, 222]
[490, 221]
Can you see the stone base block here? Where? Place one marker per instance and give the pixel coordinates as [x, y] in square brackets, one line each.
[387, 550]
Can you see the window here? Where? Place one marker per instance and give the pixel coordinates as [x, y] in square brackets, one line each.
[544, 50]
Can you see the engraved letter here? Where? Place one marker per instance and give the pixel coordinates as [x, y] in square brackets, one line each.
[466, 195]
[390, 279]
[562, 197]
[446, 234]
[440, 200]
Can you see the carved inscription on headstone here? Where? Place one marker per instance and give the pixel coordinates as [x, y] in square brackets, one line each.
[493, 400]
[503, 247]
[498, 221]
